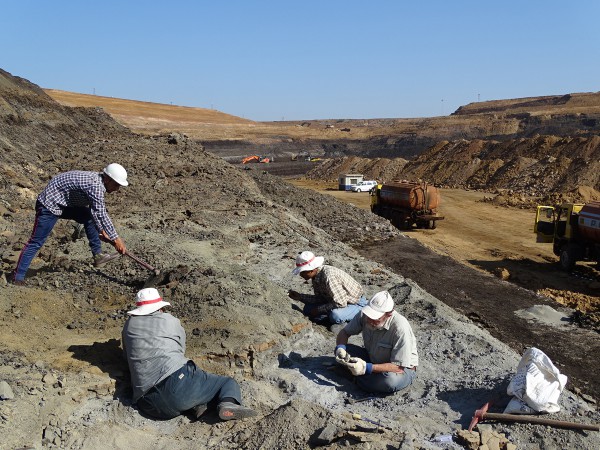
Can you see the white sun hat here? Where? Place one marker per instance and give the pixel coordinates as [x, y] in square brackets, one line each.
[307, 261]
[147, 301]
[381, 303]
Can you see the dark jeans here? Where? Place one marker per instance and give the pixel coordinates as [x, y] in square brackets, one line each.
[186, 388]
[337, 315]
[42, 227]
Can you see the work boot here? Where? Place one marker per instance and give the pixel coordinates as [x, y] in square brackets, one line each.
[102, 258]
[18, 282]
[199, 410]
[231, 411]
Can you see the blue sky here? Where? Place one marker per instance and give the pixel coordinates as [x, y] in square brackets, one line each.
[327, 59]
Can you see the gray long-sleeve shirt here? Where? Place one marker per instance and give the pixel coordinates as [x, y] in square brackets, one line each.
[154, 346]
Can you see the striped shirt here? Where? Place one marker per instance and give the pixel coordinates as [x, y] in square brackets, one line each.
[333, 288]
[76, 189]
[154, 346]
[394, 343]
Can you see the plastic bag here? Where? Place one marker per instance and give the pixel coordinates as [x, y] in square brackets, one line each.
[536, 386]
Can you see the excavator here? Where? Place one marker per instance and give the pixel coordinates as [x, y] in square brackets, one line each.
[255, 159]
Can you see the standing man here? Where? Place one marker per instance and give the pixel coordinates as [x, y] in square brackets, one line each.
[337, 296]
[389, 361]
[78, 196]
[166, 383]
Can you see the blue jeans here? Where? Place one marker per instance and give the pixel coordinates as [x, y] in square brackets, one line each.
[42, 227]
[382, 382]
[339, 315]
[185, 388]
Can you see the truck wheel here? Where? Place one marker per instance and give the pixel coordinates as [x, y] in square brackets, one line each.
[431, 225]
[567, 258]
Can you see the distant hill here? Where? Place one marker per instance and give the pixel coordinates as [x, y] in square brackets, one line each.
[138, 114]
[583, 103]
[569, 115]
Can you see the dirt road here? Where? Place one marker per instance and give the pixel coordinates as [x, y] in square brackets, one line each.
[496, 240]
[472, 231]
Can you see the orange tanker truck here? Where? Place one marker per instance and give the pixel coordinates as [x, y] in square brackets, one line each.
[573, 229]
[407, 204]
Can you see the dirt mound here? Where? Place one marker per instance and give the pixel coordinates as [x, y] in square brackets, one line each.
[550, 168]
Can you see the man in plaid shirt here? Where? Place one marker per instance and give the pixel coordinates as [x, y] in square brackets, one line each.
[337, 296]
[78, 196]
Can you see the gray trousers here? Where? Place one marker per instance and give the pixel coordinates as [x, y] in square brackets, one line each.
[383, 382]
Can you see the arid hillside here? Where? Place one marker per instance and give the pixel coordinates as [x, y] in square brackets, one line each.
[523, 171]
[583, 103]
[575, 115]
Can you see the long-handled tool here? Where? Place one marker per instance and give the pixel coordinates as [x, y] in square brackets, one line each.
[135, 258]
[356, 416]
[142, 263]
[482, 414]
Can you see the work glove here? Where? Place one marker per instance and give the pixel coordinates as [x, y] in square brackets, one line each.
[341, 355]
[359, 366]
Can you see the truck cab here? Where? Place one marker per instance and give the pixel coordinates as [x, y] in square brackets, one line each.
[559, 225]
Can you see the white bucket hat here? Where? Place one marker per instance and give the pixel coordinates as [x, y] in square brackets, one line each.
[381, 303]
[147, 301]
[307, 261]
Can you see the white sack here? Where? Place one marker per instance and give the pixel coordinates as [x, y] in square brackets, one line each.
[536, 385]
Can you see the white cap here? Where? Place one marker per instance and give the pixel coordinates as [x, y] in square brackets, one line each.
[381, 303]
[117, 172]
[147, 301]
[306, 261]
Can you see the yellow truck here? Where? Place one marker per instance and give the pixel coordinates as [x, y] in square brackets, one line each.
[573, 229]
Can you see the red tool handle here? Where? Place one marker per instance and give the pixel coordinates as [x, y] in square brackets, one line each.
[140, 262]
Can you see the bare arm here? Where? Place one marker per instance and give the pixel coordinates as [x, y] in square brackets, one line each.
[342, 338]
[387, 367]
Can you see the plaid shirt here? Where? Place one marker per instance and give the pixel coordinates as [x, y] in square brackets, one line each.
[333, 288]
[76, 189]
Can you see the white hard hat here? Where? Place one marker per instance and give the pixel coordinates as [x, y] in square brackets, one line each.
[117, 172]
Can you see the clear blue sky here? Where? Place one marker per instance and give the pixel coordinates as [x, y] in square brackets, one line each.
[293, 60]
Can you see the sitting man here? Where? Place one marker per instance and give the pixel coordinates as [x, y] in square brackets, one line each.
[337, 296]
[388, 363]
[166, 383]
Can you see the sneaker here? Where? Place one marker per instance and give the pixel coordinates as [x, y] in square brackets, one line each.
[231, 411]
[102, 258]
[18, 282]
[199, 410]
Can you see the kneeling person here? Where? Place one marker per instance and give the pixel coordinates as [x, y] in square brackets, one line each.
[388, 363]
[337, 296]
[166, 383]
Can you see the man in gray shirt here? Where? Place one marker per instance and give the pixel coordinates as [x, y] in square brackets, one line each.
[166, 383]
[389, 361]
